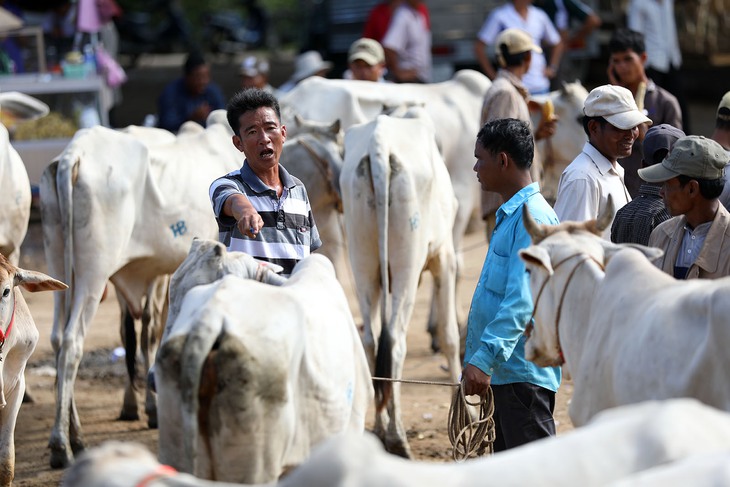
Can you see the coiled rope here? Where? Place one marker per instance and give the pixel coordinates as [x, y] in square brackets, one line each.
[469, 438]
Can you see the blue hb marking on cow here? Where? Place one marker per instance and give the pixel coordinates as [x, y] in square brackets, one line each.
[179, 229]
[415, 220]
[349, 393]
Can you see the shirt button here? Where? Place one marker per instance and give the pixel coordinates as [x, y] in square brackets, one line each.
[693, 237]
[689, 251]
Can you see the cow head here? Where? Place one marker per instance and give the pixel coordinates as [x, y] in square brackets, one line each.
[13, 310]
[564, 261]
[208, 261]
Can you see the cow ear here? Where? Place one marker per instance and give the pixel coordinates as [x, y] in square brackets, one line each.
[34, 281]
[299, 120]
[537, 256]
[335, 127]
[651, 253]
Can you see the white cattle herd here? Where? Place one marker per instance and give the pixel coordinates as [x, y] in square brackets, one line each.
[259, 374]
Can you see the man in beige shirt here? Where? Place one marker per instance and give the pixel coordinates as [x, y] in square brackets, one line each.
[696, 241]
[508, 98]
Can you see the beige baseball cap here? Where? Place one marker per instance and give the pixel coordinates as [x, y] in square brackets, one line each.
[694, 156]
[368, 50]
[616, 104]
[517, 41]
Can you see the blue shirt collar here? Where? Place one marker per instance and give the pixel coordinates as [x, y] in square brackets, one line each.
[257, 185]
[518, 199]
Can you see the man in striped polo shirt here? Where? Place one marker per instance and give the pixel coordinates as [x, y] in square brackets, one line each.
[260, 208]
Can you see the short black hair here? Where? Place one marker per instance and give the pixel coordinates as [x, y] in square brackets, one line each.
[710, 189]
[248, 100]
[587, 119]
[513, 59]
[194, 59]
[511, 136]
[624, 39]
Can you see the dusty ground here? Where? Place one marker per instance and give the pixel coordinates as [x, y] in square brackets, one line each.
[99, 387]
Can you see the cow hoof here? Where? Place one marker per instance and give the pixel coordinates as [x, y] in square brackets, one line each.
[77, 446]
[60, 458]
[435, 347]
[399, 448]
[128, 416]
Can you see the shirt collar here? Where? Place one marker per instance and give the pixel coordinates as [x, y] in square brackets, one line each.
[257, 185]
[515, 81]
[518, 199]
[604, 165]
[650, 190]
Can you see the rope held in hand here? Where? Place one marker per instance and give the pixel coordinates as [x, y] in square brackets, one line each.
[471, 437]
[468, 438]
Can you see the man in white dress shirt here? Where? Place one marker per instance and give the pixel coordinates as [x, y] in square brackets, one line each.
[611, 121]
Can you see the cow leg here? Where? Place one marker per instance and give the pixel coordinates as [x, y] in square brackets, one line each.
[396, 441]
[129, 341]
[9, 416]
[443, 269]
[75, 436]
[153, 324]
[67, 366]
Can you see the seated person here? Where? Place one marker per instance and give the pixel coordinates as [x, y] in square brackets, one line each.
[191, 97]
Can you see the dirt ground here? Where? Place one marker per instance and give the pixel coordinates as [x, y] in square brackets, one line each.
[99, 387]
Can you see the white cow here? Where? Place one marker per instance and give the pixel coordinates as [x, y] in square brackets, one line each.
[399, 211]
[252, 375]
[622, 330]
[314, 155]
[115, 209]
[18, 339]
[14, 182]
[660, 443]
[556, 152]
[454, 107]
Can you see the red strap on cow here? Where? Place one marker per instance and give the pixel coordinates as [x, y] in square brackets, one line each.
[159, 472]
[3, 336]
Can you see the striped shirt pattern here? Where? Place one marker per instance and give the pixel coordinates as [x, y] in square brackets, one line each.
[635, 221]
[289, 233]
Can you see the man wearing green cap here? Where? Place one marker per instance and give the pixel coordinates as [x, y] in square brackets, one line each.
[696, 241]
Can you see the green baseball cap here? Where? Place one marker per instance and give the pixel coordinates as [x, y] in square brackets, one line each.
[694, 156]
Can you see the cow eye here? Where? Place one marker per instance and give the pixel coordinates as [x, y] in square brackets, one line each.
[6, 292]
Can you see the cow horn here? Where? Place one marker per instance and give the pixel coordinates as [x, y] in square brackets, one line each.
[537, 232]
[604, 219]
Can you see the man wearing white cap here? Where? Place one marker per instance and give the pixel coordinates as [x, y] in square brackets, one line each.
[366, 60]
[611, 121]
[307, 64]
[255, 74]
[507, 98]
[696, 241]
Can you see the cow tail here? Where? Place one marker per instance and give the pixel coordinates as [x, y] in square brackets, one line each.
[199, 344]
[380, 170]
[65, 179]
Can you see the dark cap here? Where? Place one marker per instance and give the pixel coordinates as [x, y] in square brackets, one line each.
[694, 156]
[660, 137]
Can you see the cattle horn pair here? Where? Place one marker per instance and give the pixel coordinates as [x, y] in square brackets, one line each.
[539, 232]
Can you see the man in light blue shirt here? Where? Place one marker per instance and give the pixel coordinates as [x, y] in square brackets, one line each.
[524, 394]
